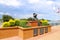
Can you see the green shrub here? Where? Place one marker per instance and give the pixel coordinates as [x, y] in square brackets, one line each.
[25, 26]
[17, 22]
[12, 22]
[6, 24]
[44, 22]
[23, 22]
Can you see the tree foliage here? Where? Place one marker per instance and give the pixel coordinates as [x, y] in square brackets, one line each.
[6, 18]
[31, 19]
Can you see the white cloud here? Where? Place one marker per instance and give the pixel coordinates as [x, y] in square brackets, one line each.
[15, 14]
[40, 2]
[54, 8]
[50, 2]
[27, 16]
[11, 2]
[33, 1]
[57, 4]
[2, 13]
[6, 13]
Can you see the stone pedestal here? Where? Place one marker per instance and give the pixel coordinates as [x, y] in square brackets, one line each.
[33, 23]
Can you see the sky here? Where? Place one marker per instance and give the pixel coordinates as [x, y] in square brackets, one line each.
[46, 9]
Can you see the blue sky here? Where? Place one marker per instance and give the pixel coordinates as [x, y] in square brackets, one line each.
[46, 9]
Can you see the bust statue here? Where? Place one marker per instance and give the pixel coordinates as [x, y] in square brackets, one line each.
[34, 15]
[35, 18]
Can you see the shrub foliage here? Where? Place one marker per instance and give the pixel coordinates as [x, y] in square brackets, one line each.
[12, 22]
[6, 24]
[17, 22]
[44, 22]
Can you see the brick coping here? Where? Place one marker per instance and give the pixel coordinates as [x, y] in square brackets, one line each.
[17, 27]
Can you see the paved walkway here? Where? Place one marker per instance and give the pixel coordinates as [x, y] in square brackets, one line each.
[53, 35]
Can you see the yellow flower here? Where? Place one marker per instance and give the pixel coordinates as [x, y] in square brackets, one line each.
[44, 21]
[6, 24]
[11, 20]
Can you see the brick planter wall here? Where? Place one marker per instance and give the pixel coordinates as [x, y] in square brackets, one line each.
[8, 32]
[29, 32]
[23, 33]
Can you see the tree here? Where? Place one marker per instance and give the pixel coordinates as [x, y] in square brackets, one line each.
[6, 18]
[31, 19]
[0, 19]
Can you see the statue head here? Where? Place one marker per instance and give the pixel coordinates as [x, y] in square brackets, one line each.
[34, 15]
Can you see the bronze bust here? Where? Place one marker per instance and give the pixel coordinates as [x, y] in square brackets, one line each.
[35, 18]
[34, 15]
